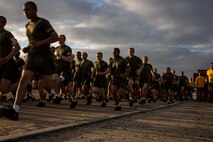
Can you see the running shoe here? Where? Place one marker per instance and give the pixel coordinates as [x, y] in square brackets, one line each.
[103, 104]
[10, 113]
[131, 102]
[73, 104]
[40, 104]
[118, 108]
[57, 100]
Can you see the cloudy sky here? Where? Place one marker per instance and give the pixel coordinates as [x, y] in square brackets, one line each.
[174, 33]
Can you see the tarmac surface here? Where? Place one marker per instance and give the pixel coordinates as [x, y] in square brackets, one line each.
[34, 121]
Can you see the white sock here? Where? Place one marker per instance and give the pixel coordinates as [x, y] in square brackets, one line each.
[62, 78]
[16, 108]
[43, 101]
[53, 91]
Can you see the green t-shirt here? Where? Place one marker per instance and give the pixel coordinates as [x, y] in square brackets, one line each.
[100, 66]
[85, 68]
[37, 31]
[65, 51]
[168, 78]
[183, 81]
[146, 71]
[5, 43]
[118, 66]
[134, 63]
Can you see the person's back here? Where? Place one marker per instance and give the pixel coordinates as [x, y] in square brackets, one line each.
[200, 81]
[200, 84]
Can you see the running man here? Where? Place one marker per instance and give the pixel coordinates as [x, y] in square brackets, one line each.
[146, 75]
[119, 71]
[134, 62]
[63, 57]
[40, 34]
[9, 72]
[86, 76]
[100, 80]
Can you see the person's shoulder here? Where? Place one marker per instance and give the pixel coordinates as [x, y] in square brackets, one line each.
[7, 33]
[138, 58]
[103, 62]
[127, 58]
[121, 58]
[43, 19]
[147, 65]
[57, 47]
[68, 47]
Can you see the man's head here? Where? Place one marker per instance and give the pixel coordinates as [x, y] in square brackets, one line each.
[3, 19]
[99, 56]
[145, 59]
[211, 66]
[3, 22]
[131, 52]
[78, 55]
[173, 71]
[62, 39]
[30, 10]
[84, 55]
[116, 52]
[181, 73]
[168, 70]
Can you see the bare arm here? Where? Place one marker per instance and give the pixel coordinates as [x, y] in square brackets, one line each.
[103, 73]
[65, 58]
[15, 49]
[12, 53]
[138, 72]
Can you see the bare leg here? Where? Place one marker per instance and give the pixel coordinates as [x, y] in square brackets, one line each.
[22, 86]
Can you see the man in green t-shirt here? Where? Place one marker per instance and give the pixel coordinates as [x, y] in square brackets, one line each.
[119, 71]
[101, 69]
[77, 75]
[145, 78]
[40, 34]
[9, 48]
[134, 62]
[63, 57]
[183, 85]
[86, 76]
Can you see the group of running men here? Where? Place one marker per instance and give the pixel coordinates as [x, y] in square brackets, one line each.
[57, 72]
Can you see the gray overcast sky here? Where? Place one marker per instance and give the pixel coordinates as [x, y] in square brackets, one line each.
[174, 33]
